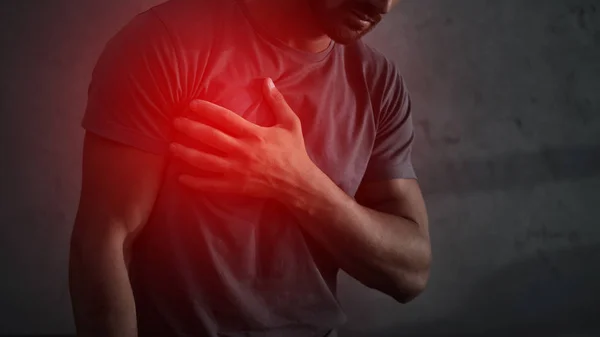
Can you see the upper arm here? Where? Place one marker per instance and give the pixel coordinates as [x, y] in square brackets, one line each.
[132, 100]
[135, 91]
[392, 148]
[402, 197]
[390, 183]
[119, 187]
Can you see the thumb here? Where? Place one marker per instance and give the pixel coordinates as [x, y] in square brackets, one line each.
[283, 113]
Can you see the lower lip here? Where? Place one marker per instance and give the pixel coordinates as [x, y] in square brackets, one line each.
[357, 23]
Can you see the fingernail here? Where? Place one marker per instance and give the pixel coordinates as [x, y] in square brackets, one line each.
[270, 84]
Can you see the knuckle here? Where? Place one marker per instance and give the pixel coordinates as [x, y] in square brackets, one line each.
[294, 124]
[278, 97]
[295, 120]
[258, 139]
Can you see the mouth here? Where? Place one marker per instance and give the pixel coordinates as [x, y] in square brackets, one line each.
[357, 22]
[371, 18]
[367, 12]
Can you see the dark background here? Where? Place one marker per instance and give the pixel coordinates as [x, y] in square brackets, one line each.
[507, 112]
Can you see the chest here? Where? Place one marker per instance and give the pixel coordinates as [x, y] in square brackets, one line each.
[335, 112]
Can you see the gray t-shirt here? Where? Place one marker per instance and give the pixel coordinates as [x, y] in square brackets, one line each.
[212, 265]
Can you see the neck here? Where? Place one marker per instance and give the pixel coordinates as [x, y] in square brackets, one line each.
[291, 22]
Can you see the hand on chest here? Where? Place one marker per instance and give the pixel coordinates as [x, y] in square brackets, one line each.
[337, 131]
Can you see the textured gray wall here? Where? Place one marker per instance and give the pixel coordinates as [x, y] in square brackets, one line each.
[507, 110]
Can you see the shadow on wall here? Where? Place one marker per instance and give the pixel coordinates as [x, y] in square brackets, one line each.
[551, 294]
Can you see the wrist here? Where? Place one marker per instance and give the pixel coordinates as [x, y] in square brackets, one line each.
[307, 188]
[316, 193]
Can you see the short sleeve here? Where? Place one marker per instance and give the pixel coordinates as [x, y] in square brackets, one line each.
[132, 94]
[391, 155]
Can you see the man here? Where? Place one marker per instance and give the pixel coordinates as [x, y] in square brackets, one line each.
[238, 154]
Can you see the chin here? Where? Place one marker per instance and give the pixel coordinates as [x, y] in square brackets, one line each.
[345, 21]
[347, 36]
[344, 33]
[344, 28]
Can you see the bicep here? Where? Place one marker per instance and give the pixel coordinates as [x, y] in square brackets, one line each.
[132, 99]
[402, 197]
[119, 186]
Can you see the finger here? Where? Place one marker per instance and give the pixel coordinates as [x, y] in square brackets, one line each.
[224, 119]
[207, 184]
[207, 135]
[202, 160]
[283, 112]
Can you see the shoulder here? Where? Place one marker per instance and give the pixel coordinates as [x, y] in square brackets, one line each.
[165, 37]
[377, 65]
[384, 81]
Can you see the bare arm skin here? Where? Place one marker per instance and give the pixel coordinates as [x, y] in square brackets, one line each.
[119, 187]
[381, 238]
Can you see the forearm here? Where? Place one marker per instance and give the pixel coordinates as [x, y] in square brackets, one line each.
[383, 251]
[101, 294]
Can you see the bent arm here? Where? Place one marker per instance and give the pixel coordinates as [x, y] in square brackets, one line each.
[381, 238]
[119, 187]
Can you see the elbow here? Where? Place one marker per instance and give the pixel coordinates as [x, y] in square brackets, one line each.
[409, 284]
[409, 287]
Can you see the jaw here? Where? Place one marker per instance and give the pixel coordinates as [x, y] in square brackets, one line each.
[344, 34]
[341, 25]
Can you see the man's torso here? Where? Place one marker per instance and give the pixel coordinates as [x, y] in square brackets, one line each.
[215, 265]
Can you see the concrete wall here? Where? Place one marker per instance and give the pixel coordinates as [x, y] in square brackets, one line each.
[507, 110]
